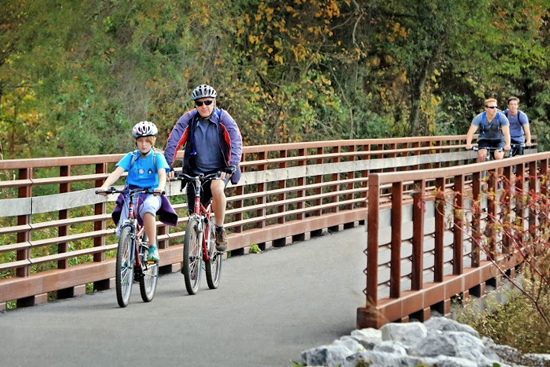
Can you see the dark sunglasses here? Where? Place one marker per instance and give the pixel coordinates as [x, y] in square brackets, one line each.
[491, 107]
[200, 103]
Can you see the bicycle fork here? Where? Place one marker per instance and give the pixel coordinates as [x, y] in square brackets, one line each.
[206, 240]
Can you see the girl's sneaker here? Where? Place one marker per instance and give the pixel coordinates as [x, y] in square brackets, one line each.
[153, 254]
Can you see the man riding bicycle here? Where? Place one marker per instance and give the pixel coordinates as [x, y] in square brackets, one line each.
[495, 131]
[212, 143]
[520, 131]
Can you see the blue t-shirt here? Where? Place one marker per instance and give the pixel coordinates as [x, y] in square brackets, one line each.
[490, 130]
[143, 173]
[208, 157]
[516, 124]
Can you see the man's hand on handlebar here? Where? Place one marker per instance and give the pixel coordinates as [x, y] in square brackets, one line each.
[171, 174]
[227, 172]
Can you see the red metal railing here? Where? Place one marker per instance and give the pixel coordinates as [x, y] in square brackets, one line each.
[425, 232]
[57, 236]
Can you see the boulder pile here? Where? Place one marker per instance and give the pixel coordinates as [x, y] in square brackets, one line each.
[440, 342]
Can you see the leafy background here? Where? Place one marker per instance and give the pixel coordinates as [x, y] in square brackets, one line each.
[75, 76]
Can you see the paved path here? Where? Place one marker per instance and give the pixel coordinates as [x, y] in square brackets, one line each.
[268, 309]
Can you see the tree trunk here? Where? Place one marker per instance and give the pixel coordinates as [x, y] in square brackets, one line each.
[418, 82]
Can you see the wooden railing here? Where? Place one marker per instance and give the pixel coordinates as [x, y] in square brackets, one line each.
[57, 239]
[426, 230]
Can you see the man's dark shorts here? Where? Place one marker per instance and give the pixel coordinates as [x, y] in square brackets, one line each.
[206, 194]
[491, 143]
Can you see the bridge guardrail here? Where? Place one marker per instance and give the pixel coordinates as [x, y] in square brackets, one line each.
[58, 237]
[424, 249]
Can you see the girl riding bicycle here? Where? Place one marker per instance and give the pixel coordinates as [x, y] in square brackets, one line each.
[146, 169]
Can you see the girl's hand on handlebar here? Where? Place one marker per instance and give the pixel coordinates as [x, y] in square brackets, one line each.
[101, 191]
[158, 191]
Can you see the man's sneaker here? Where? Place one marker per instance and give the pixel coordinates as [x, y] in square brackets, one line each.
[153, 254]
[221, 239]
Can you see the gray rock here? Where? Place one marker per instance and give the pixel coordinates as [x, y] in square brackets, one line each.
[439, 342]
[395, 348]
[325, 356]
[446, 361]
[409, 334]
[504, 352]
[445, 324]
[380, 359]
[368, 337]
[435, 345]
[536, 360]
[332, 355]
[454, 344]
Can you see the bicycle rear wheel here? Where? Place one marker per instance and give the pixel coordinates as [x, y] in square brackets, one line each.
[213, 266]
[192, 257]
[148, 279]
[124, 267]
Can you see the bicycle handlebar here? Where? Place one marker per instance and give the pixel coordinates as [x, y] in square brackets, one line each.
[180, 176]
[475, 149]
[114, 190]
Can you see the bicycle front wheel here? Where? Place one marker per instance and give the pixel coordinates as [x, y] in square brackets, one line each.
[148, 279]
[124, 267]
[213, 266]
[192, 257]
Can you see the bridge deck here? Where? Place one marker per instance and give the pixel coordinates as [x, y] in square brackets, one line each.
[268, 309]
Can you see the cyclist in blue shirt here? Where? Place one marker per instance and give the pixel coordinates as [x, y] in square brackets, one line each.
[146, 168]
[495, 131]
[520, 133]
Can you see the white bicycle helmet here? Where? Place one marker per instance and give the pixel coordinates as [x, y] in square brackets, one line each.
[144, 128]
[203, 91]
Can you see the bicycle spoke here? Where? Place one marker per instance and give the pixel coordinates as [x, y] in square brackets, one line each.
[192, 257]
[213, 266]
[124, 267]
[148, 279]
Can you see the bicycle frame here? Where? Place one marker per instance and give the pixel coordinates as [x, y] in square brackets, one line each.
[490, 152]
[201, 211]
[514, 148]
[198, 244]
[130, 260]
[136, 231]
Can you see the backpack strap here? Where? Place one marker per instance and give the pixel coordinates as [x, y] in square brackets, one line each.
[484, 118]
[482, 124]
[135, 156]
[519, 117]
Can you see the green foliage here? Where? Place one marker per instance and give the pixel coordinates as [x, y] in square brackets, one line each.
[520, 316]
[74, 79]
[255, 249]
[515, 323]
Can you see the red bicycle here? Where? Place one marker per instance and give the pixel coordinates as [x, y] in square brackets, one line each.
[199, 244]
[132, 252]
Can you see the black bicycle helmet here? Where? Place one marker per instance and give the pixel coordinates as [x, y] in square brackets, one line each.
[203, 91]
